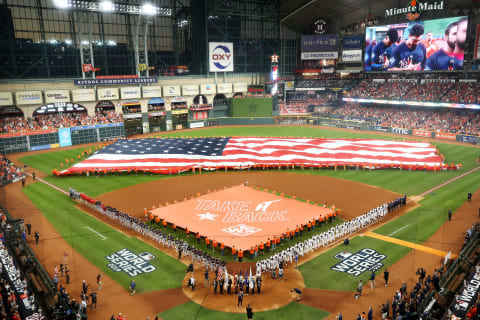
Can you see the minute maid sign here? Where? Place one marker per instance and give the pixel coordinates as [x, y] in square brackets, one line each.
[414, 8]
[357, 263]
[131, 263]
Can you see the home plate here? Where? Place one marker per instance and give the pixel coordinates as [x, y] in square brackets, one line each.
[240, 216]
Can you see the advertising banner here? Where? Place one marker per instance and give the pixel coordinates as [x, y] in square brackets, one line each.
[81, 95]
[352, 42]
[381, 129]
[171, 91]
[403, 131]
[52, 96]
[224, 88]
[240, 87]
[152, 92]
[208, 89]
[319, 55]
[6, 99]
[317, 43]
[28, 97]
[108, 94]
[445, 136]
[190, 90]
[28, 133]
[130, 92]
[352, 55]
[98, 82]
[220, 56]
[420, 133]
[289, 85]
[469, 139]
[64, 137]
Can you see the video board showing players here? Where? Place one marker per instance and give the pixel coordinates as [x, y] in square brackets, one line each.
[415, 46]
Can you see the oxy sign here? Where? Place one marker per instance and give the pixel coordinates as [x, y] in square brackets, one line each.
[220, 56]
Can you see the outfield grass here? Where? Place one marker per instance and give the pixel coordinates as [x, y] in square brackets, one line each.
[73, 225]
[191, 310]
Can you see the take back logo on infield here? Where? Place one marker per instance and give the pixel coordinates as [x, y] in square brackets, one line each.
[357, 263]
[131, 263]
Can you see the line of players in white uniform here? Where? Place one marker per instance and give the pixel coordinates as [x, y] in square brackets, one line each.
[321, 240]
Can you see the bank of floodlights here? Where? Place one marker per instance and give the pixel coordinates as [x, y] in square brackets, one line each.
[109, 6]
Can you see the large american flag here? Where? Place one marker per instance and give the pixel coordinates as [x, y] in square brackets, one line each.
[174, 154]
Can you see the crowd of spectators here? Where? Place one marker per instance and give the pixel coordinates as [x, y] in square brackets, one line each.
[429, 91]
[8, 170]
[58, 120]
[449, 121]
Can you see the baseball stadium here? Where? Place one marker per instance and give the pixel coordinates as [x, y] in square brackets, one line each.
[226, 159]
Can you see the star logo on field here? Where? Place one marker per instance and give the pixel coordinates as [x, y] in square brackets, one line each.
[207, 216]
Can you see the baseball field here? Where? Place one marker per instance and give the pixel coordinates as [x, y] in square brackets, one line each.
[417, 235]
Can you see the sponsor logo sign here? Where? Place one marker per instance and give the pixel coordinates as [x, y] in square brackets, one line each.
[357, 263]
[352, 55]
[319, 43]
[108, 94]
[156, 114]
[469, 139]
[28, 97]
[414, 9]
[28, 133]
[319, 55]
[467, 296]
[197, 124]
[80, 95]
[400, 131]
[240, 87]
[190, 90]
[132, 264]
[130, 92]
[6, 99]
[64, 137]
[103, 125]
[98, 82]
[446, 136]
[224, 88]
[171, 91]
[152, 91]
[420, 133]
[220, 56]
[42, 147]
[52, 96]
[208, 89]
[352, 42]
[289, 85]
[181, 111]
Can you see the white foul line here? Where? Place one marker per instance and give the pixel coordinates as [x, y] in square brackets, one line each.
[398, 230]
[103, 238]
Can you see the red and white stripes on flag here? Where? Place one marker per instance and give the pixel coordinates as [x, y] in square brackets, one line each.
[242, 152]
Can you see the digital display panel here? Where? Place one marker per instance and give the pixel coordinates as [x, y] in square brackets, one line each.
[429, 45]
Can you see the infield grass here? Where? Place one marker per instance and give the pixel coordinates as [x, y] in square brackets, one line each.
[191, 310]
[77, 228]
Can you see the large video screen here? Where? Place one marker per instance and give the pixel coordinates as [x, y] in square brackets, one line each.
[414, 46]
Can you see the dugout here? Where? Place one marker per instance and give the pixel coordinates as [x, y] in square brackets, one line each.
[156, 115]
[179, 113]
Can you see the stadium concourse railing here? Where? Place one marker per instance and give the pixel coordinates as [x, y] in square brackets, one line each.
[452, 283]
[43, 300]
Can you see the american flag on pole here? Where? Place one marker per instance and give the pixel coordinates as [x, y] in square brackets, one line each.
[170, 155]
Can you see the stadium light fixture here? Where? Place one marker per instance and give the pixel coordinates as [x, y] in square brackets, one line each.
[62, 4]
[111, 43]
[85, 42]
[149, 9]
[107, 6]
[68, 41]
